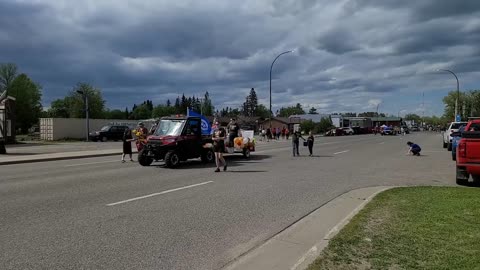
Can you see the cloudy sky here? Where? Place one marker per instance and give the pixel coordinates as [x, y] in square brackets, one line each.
[349, 55]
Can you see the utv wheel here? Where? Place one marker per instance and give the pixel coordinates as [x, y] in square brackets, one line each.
[104, 139]
[172, 159]
[246, 153]
[208, 156]
[143, 159]
[462, 176]
[449, 147]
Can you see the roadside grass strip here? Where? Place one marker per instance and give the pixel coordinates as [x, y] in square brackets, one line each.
[410, 228]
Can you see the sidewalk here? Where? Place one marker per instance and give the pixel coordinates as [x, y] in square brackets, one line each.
[26, 153]
[301, 243]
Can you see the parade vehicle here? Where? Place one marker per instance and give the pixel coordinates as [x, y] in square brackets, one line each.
[177, 139]
[180, 138]
[468, 153]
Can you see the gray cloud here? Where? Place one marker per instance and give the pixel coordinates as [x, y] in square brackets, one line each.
[348, 53]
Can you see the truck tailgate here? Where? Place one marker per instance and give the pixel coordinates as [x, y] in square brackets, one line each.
[472, 140]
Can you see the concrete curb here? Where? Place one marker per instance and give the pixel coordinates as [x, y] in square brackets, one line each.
[301, 243]
[56, 156]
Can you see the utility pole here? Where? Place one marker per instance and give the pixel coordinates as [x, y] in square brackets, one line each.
[87, 120]
[423, 108]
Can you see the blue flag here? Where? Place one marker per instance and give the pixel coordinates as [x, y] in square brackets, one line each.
[206, 128]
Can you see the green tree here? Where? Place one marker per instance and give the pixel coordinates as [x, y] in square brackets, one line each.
[114, 114]
[163, 110]
[28, 101]
[59, 108]
[96, 103]
[324, 125]
[142, 112]
[207, 104]
[307, 126]
[293, 110]
[312, 111]
[262, 111]
[8, 73]
[251, 103]
[412, 116]
[449, 101]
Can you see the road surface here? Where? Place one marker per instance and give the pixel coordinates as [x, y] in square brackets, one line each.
[98, 213]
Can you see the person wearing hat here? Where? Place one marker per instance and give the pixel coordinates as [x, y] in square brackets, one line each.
[232, 129]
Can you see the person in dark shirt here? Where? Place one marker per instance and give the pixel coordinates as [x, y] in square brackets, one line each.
[232, 129]
[127, 144]
[310, 141]
[414, 149]
[296, 135]
[219, 147]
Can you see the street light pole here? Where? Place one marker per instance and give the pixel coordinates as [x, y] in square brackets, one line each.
[87, 120]
[271, 67]
[458, 90]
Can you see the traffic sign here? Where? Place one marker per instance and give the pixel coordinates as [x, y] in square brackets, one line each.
[458, 118]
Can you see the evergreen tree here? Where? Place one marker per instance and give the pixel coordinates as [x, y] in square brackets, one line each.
[169, 103]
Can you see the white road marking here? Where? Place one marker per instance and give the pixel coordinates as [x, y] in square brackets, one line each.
[382, 143]
[93, 163]
[158, 193]
[341, 152]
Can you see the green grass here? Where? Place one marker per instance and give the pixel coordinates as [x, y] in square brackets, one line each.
[410, 228]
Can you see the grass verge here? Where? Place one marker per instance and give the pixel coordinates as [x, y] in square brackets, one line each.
[410, 228]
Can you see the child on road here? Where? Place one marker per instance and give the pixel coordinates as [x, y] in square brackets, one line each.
[414, 149]
[310, 141]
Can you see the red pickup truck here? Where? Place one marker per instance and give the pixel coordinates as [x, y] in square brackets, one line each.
[468, 154]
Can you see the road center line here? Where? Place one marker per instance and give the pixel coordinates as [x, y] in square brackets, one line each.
[92, 163]
[341, 152]
[158, 193]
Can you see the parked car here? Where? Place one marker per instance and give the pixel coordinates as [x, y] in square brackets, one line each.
[334, 132]
[415, 128]
[109, 132]
[388, 131]
[447, 138]
[468, 154]
[456, 136]
[348, 131]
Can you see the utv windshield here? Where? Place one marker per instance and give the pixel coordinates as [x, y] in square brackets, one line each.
[169, 128]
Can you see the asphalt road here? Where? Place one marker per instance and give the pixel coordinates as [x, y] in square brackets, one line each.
[101, 214]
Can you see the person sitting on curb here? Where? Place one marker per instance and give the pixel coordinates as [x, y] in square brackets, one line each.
[414, 149]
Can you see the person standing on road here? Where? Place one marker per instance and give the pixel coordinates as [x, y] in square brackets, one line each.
[219, 148]
[269, 134]
[310, 141]
[296, 135]
[127, 144]
[414, 149]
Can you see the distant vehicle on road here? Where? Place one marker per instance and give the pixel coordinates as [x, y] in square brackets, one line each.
[447, 138]
[109, 132]
[468, 154]
[415, 128]
[387, 131]
[334, 132]
[348, 131]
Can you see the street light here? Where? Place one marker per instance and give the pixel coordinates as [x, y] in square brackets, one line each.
[84, 94]
[271, 67]
[458, 90]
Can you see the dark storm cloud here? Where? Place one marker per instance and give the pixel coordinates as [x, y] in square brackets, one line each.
[348, 54]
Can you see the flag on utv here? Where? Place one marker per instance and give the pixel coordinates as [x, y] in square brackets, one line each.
[206, 128]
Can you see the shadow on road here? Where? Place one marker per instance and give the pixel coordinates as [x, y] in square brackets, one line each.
[232, 162]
